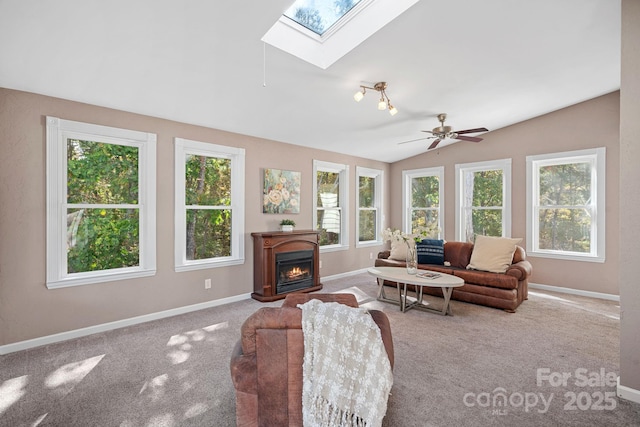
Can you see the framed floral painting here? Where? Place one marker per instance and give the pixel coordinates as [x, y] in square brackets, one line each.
[281, 192]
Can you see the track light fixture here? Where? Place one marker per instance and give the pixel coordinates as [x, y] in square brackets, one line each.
[384, 103]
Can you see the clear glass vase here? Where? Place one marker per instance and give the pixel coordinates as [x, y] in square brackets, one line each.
[412, 259]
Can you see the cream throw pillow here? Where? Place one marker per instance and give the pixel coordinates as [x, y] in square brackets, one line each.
[399, 249]
[492, 254]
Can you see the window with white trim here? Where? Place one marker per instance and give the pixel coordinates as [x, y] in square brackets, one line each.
[369, 205]
[321, 16]
[423, 199]
[209, 203]
[566, 205]
[101, 205]
[331, 204]
[483, 199]
[358, 24]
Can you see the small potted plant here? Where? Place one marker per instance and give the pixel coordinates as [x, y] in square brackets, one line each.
[287, 224]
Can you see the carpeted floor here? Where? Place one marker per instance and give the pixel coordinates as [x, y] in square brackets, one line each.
[480, 367]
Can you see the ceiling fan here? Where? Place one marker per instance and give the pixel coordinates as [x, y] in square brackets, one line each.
[441, 132]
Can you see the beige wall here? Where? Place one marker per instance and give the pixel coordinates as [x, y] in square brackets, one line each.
[590, 124]
[29, 310]
[630, 197]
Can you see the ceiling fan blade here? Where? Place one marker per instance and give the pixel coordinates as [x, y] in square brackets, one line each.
[414, 140]
[469, 138]
[460, 132]
[434, 144]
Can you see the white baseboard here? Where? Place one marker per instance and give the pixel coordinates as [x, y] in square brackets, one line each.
[77, 333]
[628, 393]
[343, 275]
[572, 291]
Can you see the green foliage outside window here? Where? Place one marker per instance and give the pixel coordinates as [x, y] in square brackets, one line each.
[102, 238]
[425, 202]
[208, 198]
[367, 214]
[328, 184]
[367, 189]
[486, 210]
[328, 212]
[367, 226]
[565, 212]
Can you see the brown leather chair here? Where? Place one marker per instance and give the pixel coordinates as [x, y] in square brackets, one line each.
[266, 364]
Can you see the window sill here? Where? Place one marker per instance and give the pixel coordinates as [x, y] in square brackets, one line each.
[368, 244]
[333, 248]
[94, 279]
[195, 265]
[565, 257]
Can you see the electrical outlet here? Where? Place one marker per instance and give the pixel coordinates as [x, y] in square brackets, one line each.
[207, 283]
[370, 255]
[320, 263]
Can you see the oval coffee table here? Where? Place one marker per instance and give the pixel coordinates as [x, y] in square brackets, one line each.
[399, 275]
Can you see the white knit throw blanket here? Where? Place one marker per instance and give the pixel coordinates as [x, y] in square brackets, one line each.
[346, 371]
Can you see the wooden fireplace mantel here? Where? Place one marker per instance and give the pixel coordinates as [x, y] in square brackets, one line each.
[265, 247]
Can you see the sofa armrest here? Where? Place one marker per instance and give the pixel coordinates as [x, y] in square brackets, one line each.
[244, 374]
[382, 321]
[384, 254]
[521, 270]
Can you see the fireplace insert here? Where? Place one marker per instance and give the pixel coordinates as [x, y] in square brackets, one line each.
[294, 270]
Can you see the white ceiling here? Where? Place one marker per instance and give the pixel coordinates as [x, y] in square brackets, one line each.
[491, 63]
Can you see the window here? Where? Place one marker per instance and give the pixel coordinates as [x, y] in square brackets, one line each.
[100, 203]
[566, 205]
[331, 204]
[209, 202]
[423, 199]
[318, 16]
[369, 202]
[483, 197]
[305, 32]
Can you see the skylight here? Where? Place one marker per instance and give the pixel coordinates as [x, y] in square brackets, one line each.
[323, 31]
[319, 15]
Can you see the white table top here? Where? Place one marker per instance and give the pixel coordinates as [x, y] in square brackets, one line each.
[400, 275]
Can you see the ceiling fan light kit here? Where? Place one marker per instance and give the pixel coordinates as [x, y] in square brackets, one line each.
[384, 103]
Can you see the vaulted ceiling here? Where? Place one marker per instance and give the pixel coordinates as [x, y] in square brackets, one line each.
[492, 63]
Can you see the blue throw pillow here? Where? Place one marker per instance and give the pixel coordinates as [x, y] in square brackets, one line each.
[431, 251]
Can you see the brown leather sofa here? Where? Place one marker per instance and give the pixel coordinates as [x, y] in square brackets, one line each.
[266, 363]
[499, 290]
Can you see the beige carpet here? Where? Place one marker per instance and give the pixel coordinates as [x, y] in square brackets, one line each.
[477, 368]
